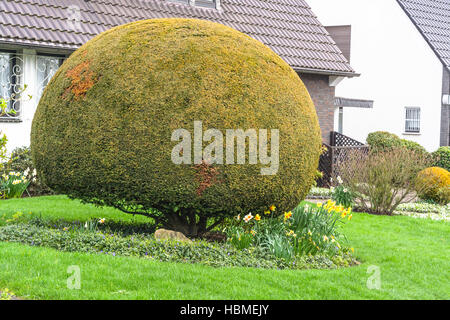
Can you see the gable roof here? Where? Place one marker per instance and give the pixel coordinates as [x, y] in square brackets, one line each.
[432, 18]
[289, 27]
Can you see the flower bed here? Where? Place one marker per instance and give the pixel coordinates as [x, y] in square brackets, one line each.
[424, 210]
[320, 193]
[143, 245]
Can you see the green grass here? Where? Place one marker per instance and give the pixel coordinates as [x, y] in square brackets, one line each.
[412, 254]
[60, 207]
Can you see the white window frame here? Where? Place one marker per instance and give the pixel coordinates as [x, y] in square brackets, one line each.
[211, 4]
[13, 86]
[412, 120]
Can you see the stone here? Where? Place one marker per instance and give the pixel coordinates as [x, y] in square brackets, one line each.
[163, 234]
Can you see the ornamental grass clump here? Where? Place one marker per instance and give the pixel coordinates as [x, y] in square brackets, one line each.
[383, 180]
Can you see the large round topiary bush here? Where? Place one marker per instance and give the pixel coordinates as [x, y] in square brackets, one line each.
[434, 184]
[106, 126]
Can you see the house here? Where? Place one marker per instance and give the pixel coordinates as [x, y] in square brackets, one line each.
[37, 35]
[402, 49]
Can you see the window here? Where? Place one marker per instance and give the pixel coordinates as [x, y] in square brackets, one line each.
[11, 71]
[207, 3]
[412, 122]
[200, 3]
[46, 69]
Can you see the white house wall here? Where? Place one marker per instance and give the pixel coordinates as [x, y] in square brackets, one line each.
[398, 69]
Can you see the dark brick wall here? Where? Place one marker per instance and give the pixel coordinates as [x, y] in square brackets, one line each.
[323, 97]
[445, 111]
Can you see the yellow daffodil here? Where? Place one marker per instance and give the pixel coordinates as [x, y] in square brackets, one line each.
[350, 217]
[267, 212]
[272, 208]
[257, 217]
[353, 250]
[287, 215]
[319, 205]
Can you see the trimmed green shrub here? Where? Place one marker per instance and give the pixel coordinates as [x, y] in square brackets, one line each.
[102, 130]
[434, 184]
[211, 254]
[443, 158]
[413, 146]
[383, 141]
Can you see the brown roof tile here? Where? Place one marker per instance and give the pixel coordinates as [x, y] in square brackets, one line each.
[432, 18]
[289, 27]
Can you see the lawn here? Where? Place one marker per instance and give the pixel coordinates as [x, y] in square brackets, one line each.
[411, 254]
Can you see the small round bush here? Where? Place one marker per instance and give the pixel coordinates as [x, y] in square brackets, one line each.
[443, 157]
[413, 146]
[102, 130]
[383, 141]
[434, 184]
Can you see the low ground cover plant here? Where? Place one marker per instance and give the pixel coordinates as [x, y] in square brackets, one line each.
[320, 193]
[76, 238]
[424, 210]
[6, 294]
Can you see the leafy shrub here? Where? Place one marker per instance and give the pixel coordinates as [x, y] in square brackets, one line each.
[385, 141]
[21, 161]
[434, 184]
[381, 181]
[442, 157]
[413, 146]
[138, 245]
[115, 150]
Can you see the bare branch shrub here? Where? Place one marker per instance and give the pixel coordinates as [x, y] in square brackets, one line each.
[382, 180]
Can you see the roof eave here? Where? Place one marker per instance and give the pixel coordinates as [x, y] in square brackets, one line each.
[350, 74]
